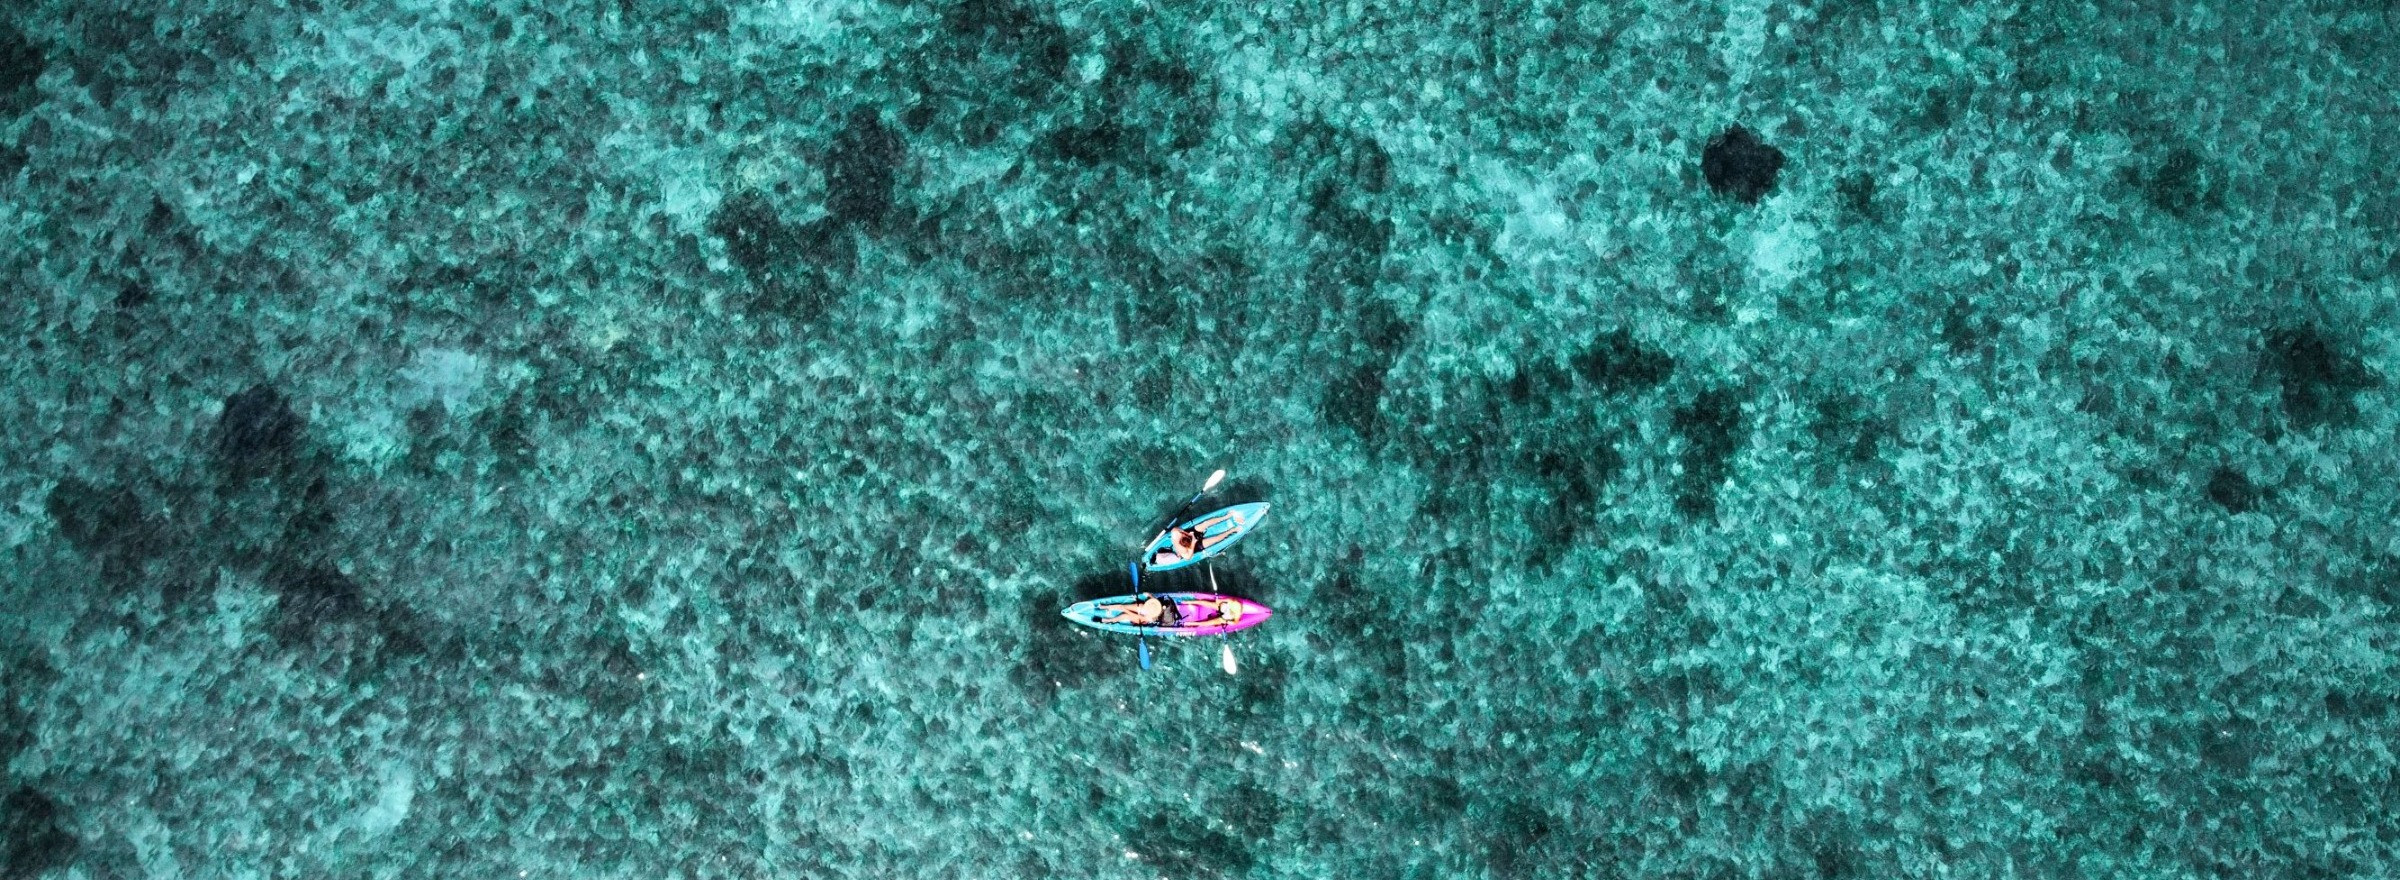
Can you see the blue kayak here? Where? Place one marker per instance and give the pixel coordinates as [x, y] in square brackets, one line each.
[1218, 530]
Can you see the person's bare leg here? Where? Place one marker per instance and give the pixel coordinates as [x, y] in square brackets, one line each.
[1207, 540]
[1141, 613]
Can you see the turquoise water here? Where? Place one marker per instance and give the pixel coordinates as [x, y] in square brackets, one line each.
[1763, 440]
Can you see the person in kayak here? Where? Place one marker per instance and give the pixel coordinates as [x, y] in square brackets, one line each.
[1147, 611]
[1227, 612]
[1185, 543]
[1190, 540]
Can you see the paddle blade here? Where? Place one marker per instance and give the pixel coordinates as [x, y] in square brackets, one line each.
[1229, 667]
[1212, 480]
[1145, 643]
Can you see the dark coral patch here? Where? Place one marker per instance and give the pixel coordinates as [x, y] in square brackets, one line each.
[1711, 427]
[2232, 490]
[257, 433]
[1536, 386]
[32, 838]
[862, 169]
[1573, 480]
[2175, 184]
[1262, 688]
[1738, 164]
[133, 295]
[312, 601]
[1148, 109]
[21, 63]
[1177, 845]
[1008, 26]
[2358, 705]
[2319, 379]
[1514, 839]
[1382, 329]
[786, 264]
[101, 521]
[1964, 330]
[16, 725]
[1251, 810]
[1355, 401]
[1359, 239]
[1616, 362]
[755, 237]
[1847, 428]
[1856, 195]
[1342, 177]
[1013, 51]
[1086, 145]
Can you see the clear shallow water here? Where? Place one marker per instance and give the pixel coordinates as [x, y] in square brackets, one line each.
[647, 440]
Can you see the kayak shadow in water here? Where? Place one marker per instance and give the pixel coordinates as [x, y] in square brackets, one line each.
[1231, 580]
[1060, 655]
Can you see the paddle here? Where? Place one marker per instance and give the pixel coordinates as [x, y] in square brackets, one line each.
[1212, 587]
[1141, 640]
[1177, 516]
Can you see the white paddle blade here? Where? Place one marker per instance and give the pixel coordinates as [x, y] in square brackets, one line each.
[1212, 480]
[1229, 667]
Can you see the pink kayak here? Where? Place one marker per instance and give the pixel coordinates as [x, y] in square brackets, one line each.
[1199, 614]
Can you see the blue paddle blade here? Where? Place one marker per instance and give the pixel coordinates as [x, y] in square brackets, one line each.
[1145, 643]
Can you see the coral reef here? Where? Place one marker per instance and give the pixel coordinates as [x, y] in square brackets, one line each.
[647, 439]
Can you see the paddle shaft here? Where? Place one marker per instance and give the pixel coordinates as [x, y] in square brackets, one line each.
[1213, 588]
[1176, 518]
[1173, 520]
[1142, 642]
